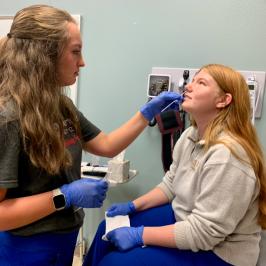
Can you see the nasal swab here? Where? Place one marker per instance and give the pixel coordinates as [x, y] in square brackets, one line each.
[169, 105]
[172, 102]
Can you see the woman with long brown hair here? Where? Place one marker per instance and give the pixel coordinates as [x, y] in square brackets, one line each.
[42, 135]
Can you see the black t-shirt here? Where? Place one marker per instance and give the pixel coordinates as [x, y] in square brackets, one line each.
[22, 178]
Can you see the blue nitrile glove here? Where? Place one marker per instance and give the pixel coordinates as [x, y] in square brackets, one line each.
[85, 193]
[121, 209]
[158, 103]
[125, 238]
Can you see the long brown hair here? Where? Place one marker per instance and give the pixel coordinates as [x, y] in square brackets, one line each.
[235, 120]
[29, 82]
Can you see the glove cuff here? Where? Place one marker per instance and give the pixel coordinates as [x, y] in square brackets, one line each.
[131, 207]
[146, 112]
[140, 234]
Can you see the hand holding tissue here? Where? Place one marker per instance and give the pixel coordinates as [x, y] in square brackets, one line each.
[112, 223]
[85, 193]
[125, 238]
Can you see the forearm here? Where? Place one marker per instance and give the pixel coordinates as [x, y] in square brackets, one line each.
[18, 212]
[153, 198]
[159, 236]
[156, 236]
[120, 138]
[109, 145]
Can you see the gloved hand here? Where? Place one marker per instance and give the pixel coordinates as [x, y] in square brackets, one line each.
[125, 238]
[158, 103]
[121, 209]
[85, 193]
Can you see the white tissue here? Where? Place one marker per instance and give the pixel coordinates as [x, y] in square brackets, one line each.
[120, 157]
[115, 222]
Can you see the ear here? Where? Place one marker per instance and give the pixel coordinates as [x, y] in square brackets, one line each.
[224, 100]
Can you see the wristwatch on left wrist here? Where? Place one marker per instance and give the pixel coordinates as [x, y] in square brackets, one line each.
[59, 199]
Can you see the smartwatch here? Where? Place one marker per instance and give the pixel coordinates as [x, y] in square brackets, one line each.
[59, 199]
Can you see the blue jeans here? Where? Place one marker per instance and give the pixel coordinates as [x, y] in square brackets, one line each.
[47, 249]
[103, 253]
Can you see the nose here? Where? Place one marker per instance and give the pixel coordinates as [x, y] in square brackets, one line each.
[81, 62]
[188, 87]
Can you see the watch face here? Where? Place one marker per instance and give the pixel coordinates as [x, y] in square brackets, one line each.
[59, 201]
